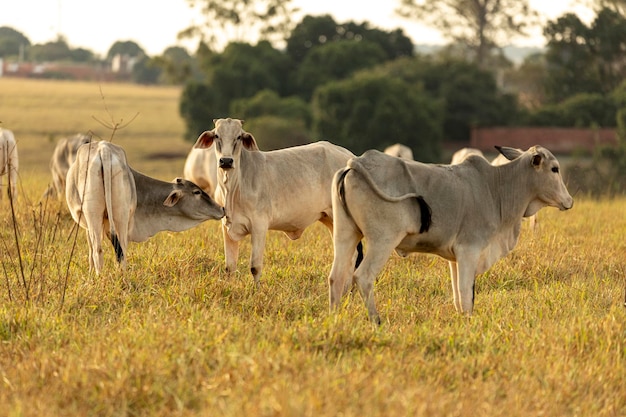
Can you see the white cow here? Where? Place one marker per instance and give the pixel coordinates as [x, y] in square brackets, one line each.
[8, 161]
[460, 155]
[468, 214]
[104, 193]
[201, 168]
[286, 189]
[399, 150]
[62, 157]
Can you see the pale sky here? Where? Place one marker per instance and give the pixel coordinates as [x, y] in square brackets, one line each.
[96, 25]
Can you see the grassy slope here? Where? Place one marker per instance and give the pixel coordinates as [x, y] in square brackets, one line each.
[174, 336]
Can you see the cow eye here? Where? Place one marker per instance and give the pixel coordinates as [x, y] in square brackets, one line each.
[239, 137]
[216, 136]
[197, 192]
[555, 169]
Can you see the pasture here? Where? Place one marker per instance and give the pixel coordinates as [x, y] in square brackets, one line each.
[174, 336]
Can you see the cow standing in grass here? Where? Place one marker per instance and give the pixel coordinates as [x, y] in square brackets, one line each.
[468, 214]
[285, 190]
[104, 193]
[8, 161]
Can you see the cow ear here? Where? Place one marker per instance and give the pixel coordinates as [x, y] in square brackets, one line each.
[536, 161]
[509, 153]
[205, 140]
[173, 198]
[249, 142]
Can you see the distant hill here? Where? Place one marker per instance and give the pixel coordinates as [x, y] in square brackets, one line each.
[516, 54]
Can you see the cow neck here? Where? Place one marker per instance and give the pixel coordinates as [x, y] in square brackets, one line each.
[511, 189]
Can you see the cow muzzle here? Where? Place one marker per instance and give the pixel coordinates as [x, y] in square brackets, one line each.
[226, 163]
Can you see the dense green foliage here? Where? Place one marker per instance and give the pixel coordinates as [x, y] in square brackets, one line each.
[372, 111]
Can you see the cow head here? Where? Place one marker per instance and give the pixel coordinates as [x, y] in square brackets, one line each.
[548, 185]
[192, 201]
[229, 138]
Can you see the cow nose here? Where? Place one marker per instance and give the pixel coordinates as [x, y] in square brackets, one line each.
[226, 163]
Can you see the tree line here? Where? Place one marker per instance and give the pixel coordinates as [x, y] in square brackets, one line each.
[363, 87]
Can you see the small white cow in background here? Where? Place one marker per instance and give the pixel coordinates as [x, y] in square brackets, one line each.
[468, 214]
[62, 157]
[201, 168]
[104, 193]
[460, 155]
[399, 150]
[286, 189]
[8, 162]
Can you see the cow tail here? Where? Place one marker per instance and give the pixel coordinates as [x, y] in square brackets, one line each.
[105, 157]
[341, 191]
[425, 214]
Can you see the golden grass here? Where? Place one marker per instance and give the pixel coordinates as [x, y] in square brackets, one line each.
[174, 336]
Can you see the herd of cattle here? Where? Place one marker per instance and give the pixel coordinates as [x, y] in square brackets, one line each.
[468, 212]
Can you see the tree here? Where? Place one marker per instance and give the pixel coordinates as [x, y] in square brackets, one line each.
[314, 31]
[12, 42]
[58, 50]
[228, 21]
[242, 70]
[480, 25]
[334, 61]
[585, 59]
[618, 6]
[371, 110]
[129, 48]
[469, 95]
[146, 71]
[177, 65]
[197, 108]
[269, 103]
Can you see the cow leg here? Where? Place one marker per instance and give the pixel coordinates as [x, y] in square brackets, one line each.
[365, 275]
[454, 278]
[466, 279]
[231, 251]
[13, 179]
[342, 271]
[96, 256]
[257, 240]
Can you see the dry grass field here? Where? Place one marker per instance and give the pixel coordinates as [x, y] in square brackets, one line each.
[174, 336]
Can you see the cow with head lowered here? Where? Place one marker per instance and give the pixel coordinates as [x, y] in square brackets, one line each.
[285, 190]
[469, 214]
[104, 193]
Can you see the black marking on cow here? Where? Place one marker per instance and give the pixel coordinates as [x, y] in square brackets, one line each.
[119, 253]
[254, 271]
[359, 254]
[473, 292]
[425, 214]
[342, 190]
